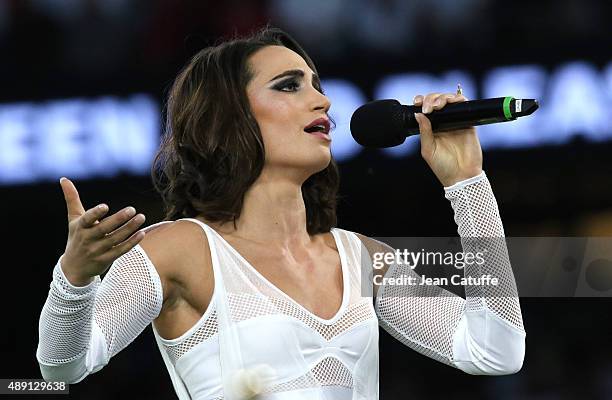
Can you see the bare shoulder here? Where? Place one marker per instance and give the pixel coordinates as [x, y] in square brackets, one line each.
[174, 248]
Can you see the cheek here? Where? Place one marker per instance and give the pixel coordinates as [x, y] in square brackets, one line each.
[276, 119]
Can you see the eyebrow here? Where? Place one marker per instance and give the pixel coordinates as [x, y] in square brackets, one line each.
[296, 72]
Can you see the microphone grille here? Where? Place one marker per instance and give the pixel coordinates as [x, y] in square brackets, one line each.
[379, 123]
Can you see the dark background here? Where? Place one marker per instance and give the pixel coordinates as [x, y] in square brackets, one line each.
[56, 49]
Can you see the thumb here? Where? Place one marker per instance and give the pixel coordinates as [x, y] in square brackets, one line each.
[428, 144]
[73, 202]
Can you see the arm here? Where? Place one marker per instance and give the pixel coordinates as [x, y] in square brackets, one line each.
[482, 334]
[81, 328]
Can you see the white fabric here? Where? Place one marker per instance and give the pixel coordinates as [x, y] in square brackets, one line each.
[252, 332]
[484, 344]
[482, 334]
[81, 328]
[306, 353]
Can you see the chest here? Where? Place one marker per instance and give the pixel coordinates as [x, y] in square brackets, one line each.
[311, 279]
[293, 335]
[314, 280]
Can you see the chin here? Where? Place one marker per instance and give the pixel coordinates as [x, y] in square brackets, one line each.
[319, 163]
[306, 162]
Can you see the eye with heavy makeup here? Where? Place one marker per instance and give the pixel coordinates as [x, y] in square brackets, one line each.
[288, 85]
[293, 83]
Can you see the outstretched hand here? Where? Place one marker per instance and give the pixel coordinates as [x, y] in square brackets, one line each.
[452, 155]
[94, 243]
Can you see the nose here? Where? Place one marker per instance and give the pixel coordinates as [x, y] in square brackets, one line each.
[320, 102]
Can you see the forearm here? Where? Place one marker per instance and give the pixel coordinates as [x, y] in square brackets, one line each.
[80, 329]
[421, 317]
[482, 334]
[65, 327]
[490, 337]
[480, 227]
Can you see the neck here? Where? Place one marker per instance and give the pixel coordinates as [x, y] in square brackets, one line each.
[273, 212]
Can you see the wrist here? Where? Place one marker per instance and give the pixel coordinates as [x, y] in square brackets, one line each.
[464, 176]
[75, 279]
[465, 182]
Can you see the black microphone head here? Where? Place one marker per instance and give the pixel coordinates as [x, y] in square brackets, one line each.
[379, 123]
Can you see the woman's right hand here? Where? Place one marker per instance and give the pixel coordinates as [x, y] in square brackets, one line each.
[93, 245]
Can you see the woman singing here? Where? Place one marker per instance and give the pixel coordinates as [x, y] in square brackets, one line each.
[252, 291]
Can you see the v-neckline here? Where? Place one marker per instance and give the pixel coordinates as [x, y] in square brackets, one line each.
[345, 286]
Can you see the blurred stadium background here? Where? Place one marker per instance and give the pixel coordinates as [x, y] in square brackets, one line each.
[82, 88]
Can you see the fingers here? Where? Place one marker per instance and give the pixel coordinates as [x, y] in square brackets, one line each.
[71, 196]
[92, 215]
[111, 223]
[120, 234]
[114, 229]
[457, 98]
[436, 101]
[427, 102]
[113, 236]
[125, 246]
[426, 136]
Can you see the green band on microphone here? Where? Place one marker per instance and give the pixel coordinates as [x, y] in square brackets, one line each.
[507, 112]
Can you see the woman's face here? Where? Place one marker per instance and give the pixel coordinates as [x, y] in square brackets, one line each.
[285, 98]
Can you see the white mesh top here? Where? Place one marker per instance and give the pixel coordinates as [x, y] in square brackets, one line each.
[253, 338]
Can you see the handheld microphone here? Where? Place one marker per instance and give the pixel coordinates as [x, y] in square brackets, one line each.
[387, 123]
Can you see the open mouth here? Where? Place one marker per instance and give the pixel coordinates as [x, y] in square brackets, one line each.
[316, 128]
[319, 127]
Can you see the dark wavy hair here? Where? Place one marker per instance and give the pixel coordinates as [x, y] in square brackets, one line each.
[212, 150]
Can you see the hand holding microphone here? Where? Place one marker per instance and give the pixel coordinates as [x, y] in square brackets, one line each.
[448, 139]
[453, 155]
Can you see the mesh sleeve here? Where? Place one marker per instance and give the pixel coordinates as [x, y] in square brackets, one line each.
[434, 321]
[81, 328]
[65, 321]
[480, 226]
[421, 317]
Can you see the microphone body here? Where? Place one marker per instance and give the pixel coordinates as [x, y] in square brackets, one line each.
[387, 123]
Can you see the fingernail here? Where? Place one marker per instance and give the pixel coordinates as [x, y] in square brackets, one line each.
[437, 102]
[61, 179]
[426, 109]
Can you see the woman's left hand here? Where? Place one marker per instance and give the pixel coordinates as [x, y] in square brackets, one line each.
[453, 155]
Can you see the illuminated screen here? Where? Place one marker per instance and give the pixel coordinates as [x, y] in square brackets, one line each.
[85, 138]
